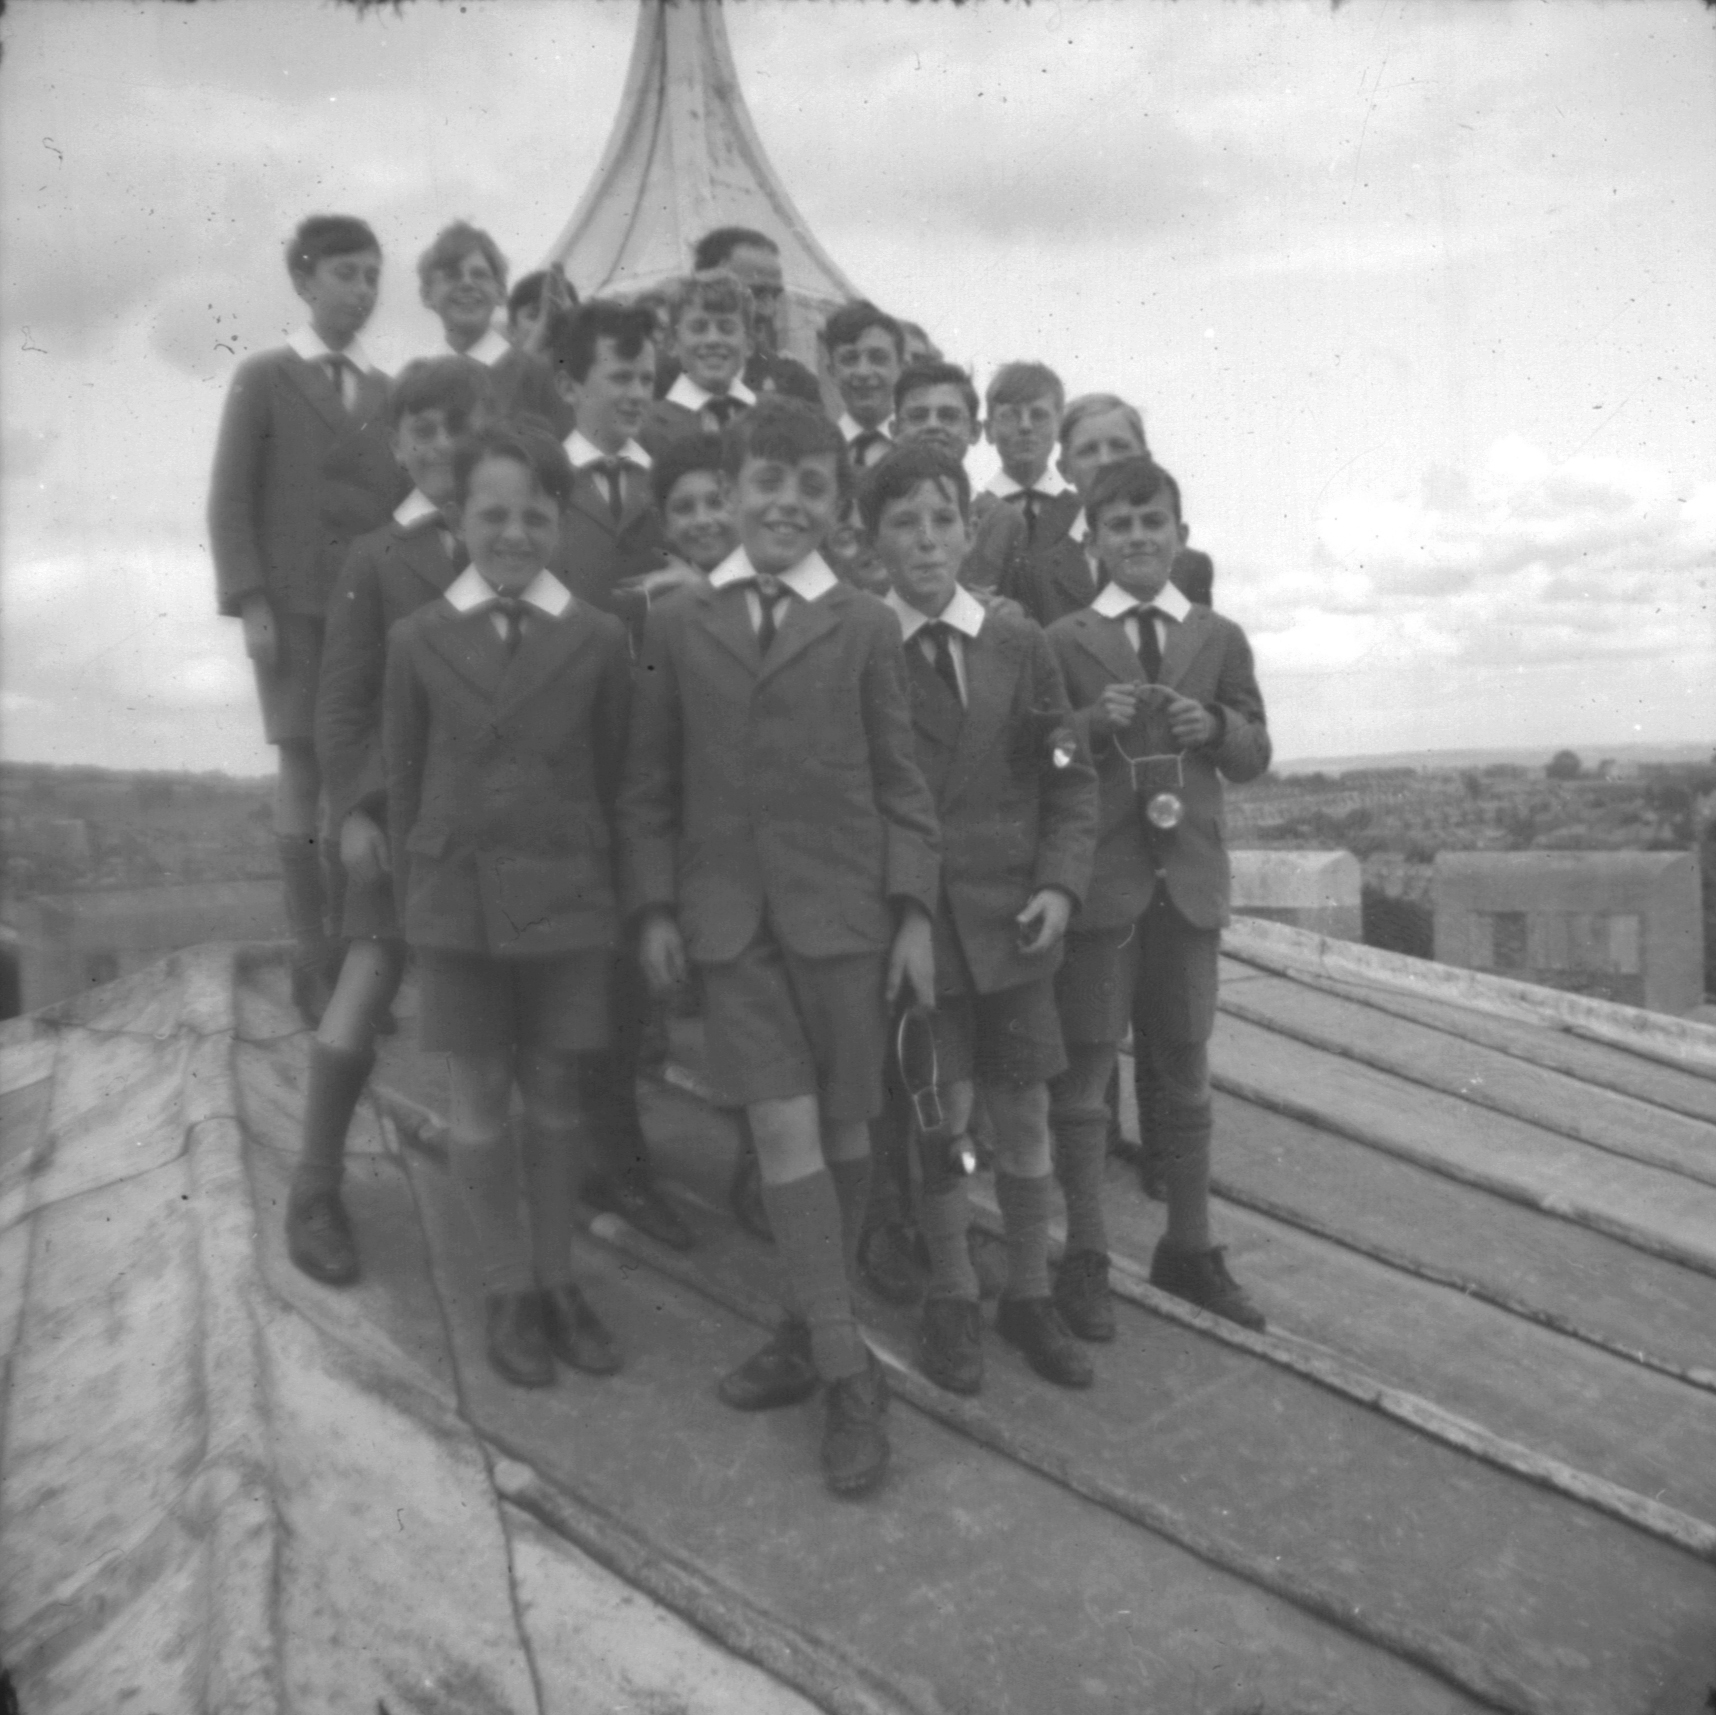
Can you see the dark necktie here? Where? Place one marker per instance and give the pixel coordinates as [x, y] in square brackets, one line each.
[1149, 646]
[511, 609]
[770, 595]
[613, 472]
[940, 636]
[1029, 500]
[863, 444]
[336, 366]
[722, 409]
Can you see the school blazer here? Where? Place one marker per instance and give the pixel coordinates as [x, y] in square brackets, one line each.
[296, 479]
[501, 778]
[594, 556]
[389, 573]
[1050, 582]
[1011, 821]
[1208, 659]
[788, 788]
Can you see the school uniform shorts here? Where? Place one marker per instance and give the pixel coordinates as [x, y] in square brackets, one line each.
[1011, 1038]
[777, 1025]
[469, 1003]
[1159, 972]
[287, 690]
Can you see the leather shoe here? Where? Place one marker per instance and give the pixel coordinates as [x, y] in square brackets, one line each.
[745, 1195]
[950, 1344]
[1082, 1297]
[639, 1202]
[319, 1238]
[1201, 1278]
[1033, 1325]
[888, 1262]
[778, 1373]
[576, 1334]
[517, 1341]
[855, 1437]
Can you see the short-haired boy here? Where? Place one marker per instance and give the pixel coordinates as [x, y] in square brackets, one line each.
[776, 830]
[710, 315]
[689, 484]
[505, 716]
[1016, 799]
[1166, 691]
[756, 259]
[935, 405]
[866, 351]
[302, 465]
[389, 573]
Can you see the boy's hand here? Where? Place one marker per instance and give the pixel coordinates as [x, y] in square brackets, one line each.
[661, 952]
[1191, 723]
[911, 959]
[363, 849]
[261, 634]
[1116, 708]
[1043, 921]
[556, 300]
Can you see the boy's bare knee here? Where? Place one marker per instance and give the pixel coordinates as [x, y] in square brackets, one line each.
[1021, 1116]
[788, 1135]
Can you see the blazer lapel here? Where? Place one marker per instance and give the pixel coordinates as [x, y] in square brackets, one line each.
[935, 712]
[991, 669]
[420, 548]
[312, 381]
[372, 397]
[592, 501]
[469, 644]
[1106, 640]
[1072, 572]
[1186, 639]
[549, 643]
[801, 624]
[729, 618]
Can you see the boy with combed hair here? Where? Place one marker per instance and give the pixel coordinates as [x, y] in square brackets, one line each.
[1016, 798]
[776, 830]
[756, 259]
[710, 315]
[1166, 693]
[866, 352]
[302, 466]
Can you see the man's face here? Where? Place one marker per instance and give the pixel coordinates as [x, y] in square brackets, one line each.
[760, 270]
[712, 346]
[783, 511]
[936, 416]
[611, 400]
[510, 527]
[921, 540]
[341, 293]
[698, 520]
[1024, 435]
[1136, 544]
[465, 295]
[423, 444]
[1098, 440]
[865, 372]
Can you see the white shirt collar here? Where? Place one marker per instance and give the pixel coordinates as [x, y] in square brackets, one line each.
[470, 589]
[1112, 602]
[310, 346]
[414, 508]
[582, 451]
[688, 393]
[488, 351]
[1079, 528]
[1050, 483]
[810, 578]
[851, 428]
[964, 613]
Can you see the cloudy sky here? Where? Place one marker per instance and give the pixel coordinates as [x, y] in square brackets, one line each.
[1417, 300]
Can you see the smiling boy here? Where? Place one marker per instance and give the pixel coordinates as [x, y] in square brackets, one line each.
[866, 352]
[776, 830]
[1166, 693]
[710, 315]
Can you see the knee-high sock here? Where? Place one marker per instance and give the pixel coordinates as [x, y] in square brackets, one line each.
[485, 1177]
[550, 1154]
[852, 1182]
[944, 1219]
[1025, 1207]
[1081, 1152]
[1182, 1072]
[805, 1216]
[337, 1078]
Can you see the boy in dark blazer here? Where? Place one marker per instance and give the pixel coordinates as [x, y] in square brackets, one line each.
[775, 828]
[710, 318]
[1016, 799]
[866, 351]
[1027, 502]
[389, 573]
[504, 729]
[1166, 693]
[302, 466]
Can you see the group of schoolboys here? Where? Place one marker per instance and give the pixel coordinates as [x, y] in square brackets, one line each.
[555, 657]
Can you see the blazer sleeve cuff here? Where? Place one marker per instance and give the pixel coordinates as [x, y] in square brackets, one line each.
[913, 871]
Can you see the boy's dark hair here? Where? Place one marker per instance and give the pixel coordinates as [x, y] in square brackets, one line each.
[1018, 383]
[629, 326]
[325, 235]
[902, 472]
[788, 430]
[452, 245]
[535, 449]
[680, 458]
[713, 248]
[450, 384]
[918, 328]
[846, 325]
[922, 375]
[1130, 482]
[527, 293]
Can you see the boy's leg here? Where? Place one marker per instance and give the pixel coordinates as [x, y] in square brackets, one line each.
[1177, 996]
[342, 1052]
[297, 789]
[950, 1334]
[888, 1246]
